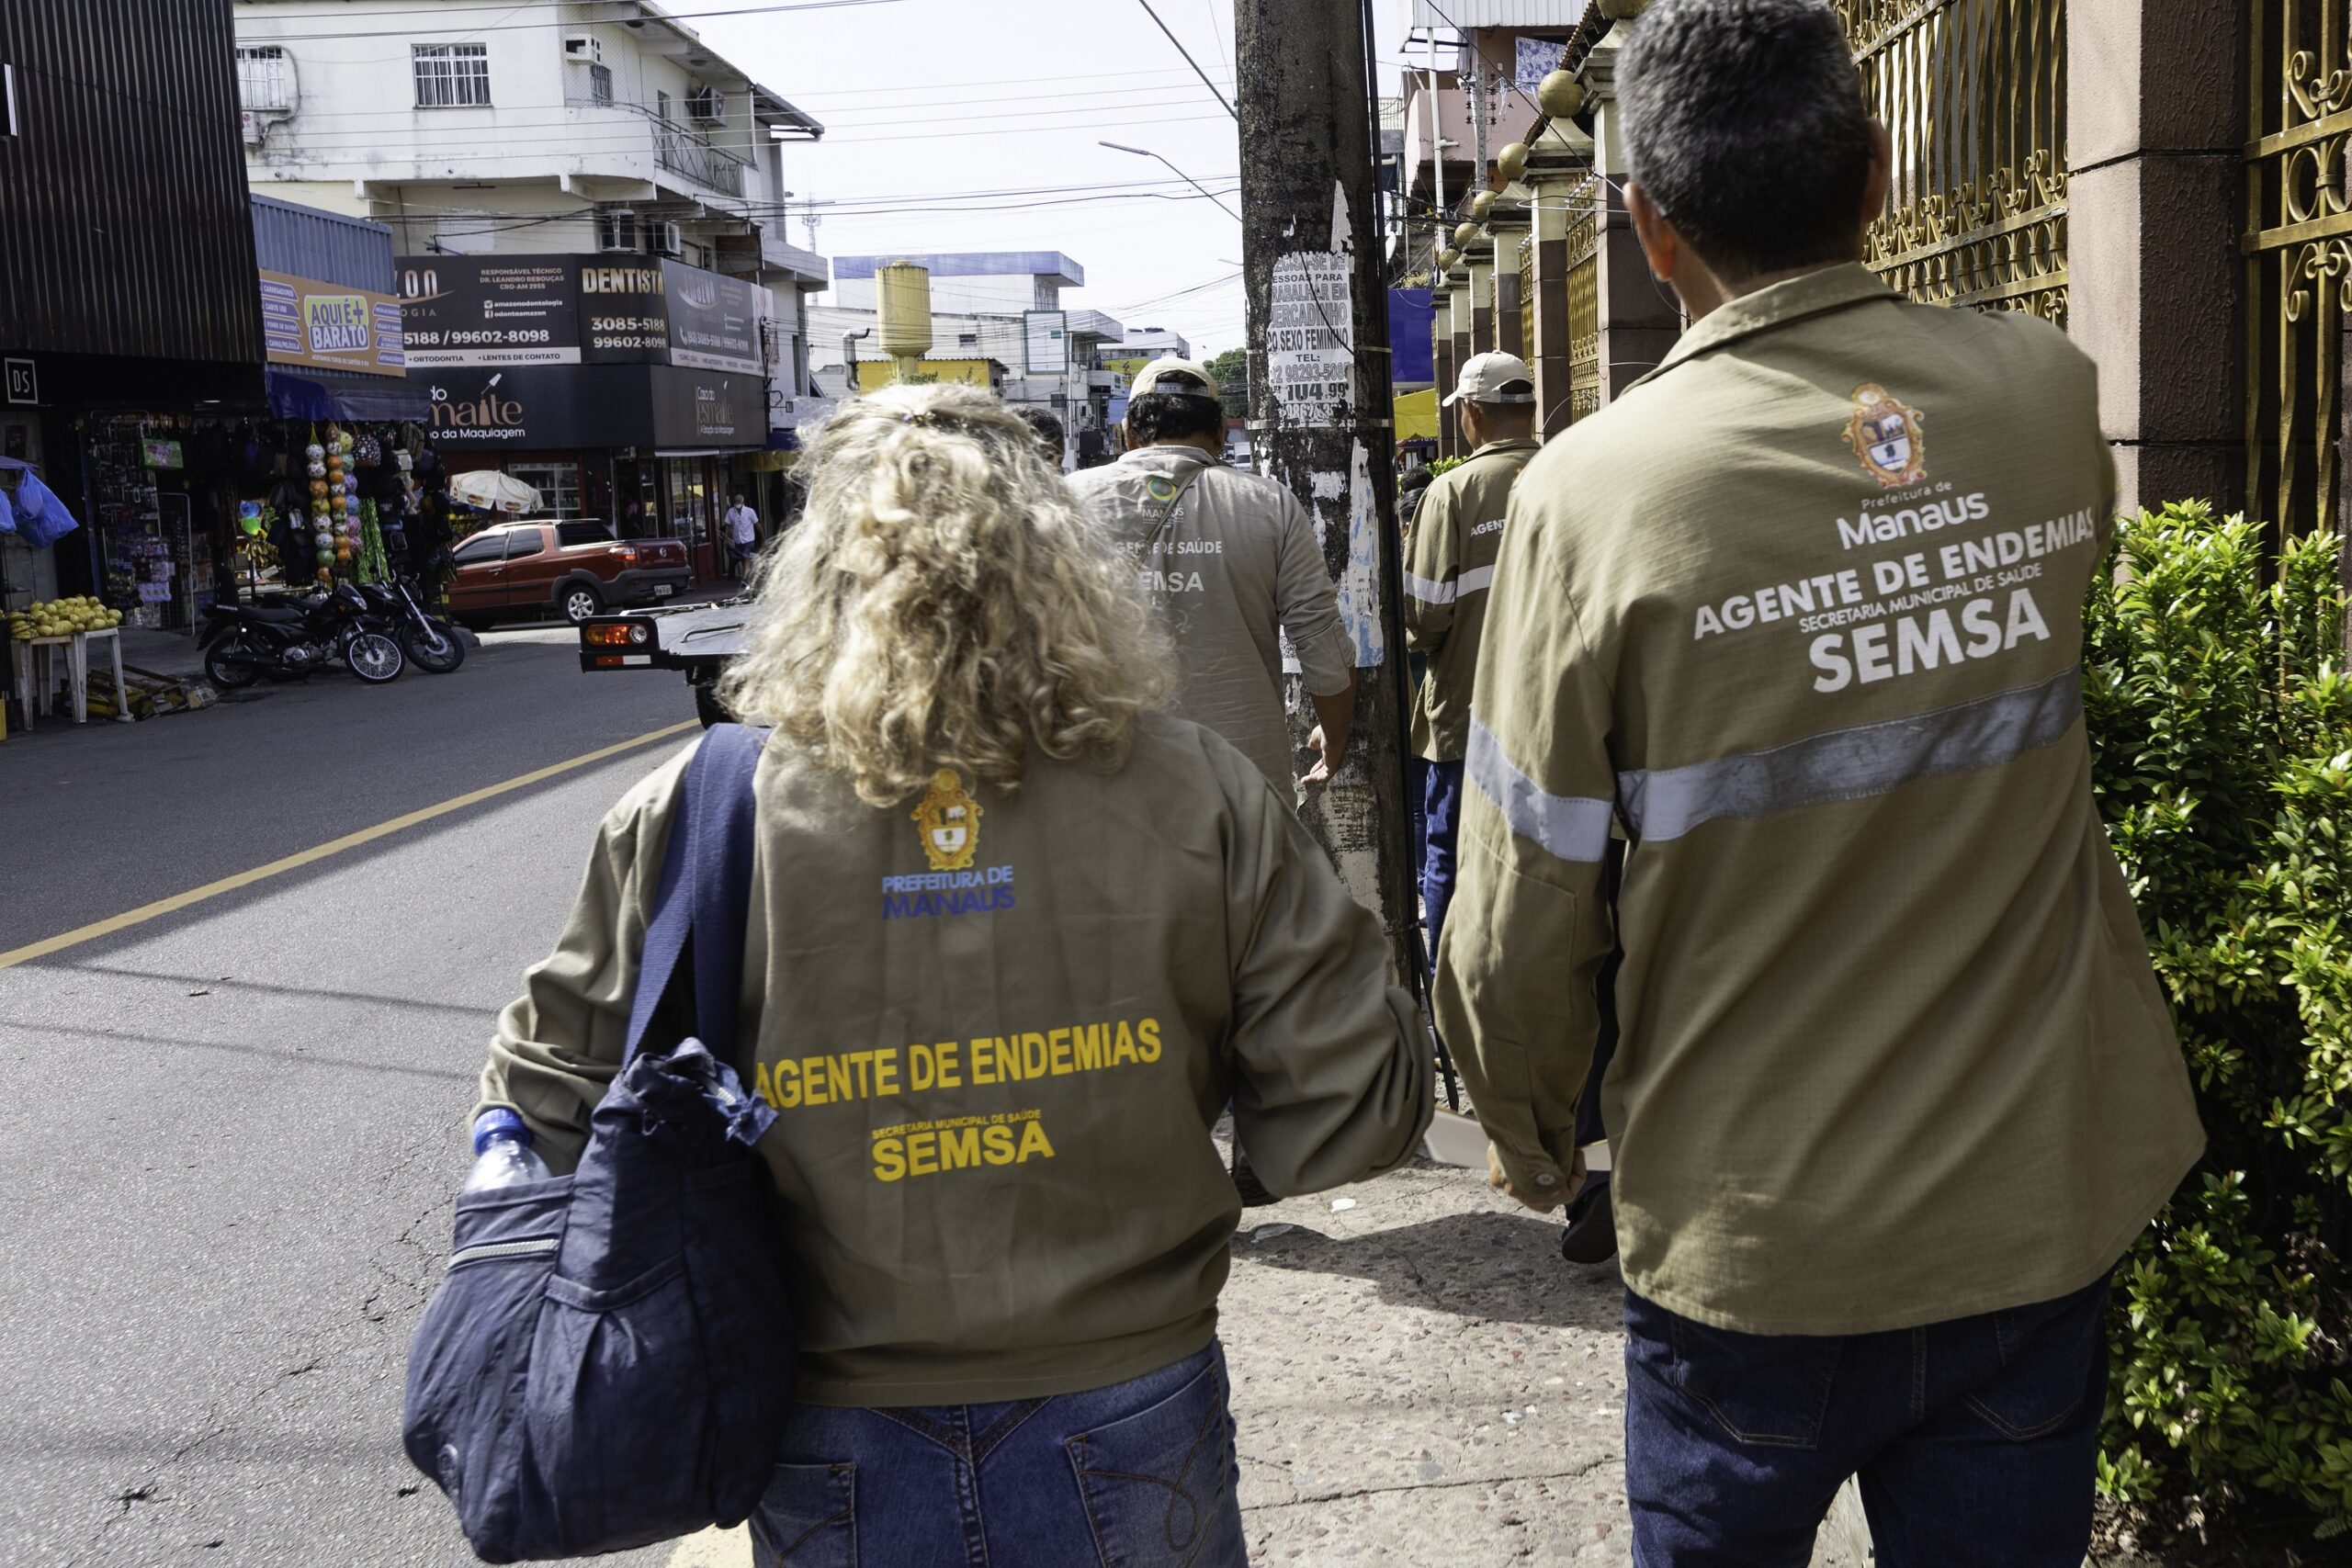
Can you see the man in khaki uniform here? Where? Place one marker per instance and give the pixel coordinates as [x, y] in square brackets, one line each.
[1231, 559]
[1896, 1085]
[1457, 531]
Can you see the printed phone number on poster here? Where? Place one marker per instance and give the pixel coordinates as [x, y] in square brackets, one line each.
[460, 340]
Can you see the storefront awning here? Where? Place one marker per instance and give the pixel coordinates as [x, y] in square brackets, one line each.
[345, 397]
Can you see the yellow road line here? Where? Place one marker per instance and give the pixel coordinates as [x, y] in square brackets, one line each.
[177, 901]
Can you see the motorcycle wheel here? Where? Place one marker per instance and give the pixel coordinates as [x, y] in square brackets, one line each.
[433, 648]
[375, 657]
[226, 667]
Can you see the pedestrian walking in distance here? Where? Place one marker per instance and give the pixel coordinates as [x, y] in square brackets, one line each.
[1231, 561]
[743, 537]
[1896, 1086]
[1017, 936]
[1052, 439]
[1457, 531]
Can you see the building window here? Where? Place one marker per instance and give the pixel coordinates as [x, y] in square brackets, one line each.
[451, 75]
[600, 83]
[558, 484]
[967, 340]
[264, 82]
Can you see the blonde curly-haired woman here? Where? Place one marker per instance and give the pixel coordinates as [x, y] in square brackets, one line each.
[1017, 938]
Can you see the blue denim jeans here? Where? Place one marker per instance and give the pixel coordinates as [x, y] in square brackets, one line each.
[1975, 1440]
[1140, 1474]
[1442, 819]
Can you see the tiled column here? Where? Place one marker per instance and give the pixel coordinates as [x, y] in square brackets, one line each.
[2156, 117]
[1639, 319]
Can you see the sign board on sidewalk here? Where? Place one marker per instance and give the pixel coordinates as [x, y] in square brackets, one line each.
[1045, 343]
[324, 326]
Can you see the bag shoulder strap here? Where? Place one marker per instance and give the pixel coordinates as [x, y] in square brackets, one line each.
[1163, 513]
[705, 891]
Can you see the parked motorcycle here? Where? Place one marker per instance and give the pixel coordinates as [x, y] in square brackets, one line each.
[431, 644]
[242, 643]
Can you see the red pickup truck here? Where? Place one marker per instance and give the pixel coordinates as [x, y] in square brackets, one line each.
[575, 568]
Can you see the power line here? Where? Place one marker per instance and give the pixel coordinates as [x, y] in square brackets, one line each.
[406, 111]
[414, 31]
[1190, 60]
[592, 134]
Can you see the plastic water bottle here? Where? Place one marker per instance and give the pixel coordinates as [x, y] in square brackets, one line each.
[503, 1155]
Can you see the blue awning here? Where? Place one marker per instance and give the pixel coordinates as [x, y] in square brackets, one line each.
[346, 397]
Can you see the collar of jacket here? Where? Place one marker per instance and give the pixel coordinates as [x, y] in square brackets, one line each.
[1509, 443]
[1776, 305]
[1166, 456]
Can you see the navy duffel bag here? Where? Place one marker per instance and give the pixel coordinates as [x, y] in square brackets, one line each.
[600, 1370]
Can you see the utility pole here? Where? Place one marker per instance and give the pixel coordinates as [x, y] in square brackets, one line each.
[1320, 400]
[1477, 74]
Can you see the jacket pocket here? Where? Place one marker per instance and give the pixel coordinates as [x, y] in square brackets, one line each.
[808, 1518]
[1765, 1390]
[1159, 1485]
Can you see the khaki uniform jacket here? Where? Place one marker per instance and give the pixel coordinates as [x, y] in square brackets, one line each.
[999, 1029]
[1458, 532]
[1235, 568]
[1803, 609]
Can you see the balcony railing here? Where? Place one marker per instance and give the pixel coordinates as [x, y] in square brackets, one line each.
[681, 151]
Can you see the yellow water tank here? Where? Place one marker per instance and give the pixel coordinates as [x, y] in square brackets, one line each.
[902, 293]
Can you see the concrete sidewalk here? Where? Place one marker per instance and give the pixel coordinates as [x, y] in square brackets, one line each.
[1419, 1381]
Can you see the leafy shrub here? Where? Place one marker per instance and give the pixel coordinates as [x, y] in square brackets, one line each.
[2221, 725]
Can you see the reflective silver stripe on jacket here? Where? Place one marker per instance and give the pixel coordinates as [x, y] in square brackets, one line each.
[1850, 764]
[1473, 581]
[1429, 592]
[1567, 825]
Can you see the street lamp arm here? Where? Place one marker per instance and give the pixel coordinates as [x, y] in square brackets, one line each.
[1147, 153]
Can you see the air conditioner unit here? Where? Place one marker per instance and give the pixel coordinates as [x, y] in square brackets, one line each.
[616, 232]
[586, 49]
[665, 240]
[707, 105]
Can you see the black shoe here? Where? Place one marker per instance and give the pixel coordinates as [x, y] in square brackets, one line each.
[1591, 1235]
[1245, 1181]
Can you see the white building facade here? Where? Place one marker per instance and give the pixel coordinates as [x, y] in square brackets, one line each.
[553, 128]
[590, 208]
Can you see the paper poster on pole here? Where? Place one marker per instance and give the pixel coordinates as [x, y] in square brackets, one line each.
[1310, 335]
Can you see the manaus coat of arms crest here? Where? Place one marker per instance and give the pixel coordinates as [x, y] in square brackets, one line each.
[949, 822]
[1885, 434]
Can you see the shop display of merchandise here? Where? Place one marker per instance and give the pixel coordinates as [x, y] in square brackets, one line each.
[61, 617]
[373, 567]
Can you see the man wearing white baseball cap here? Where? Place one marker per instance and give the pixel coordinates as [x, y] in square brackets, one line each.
[1457, 530]
[1231, 560]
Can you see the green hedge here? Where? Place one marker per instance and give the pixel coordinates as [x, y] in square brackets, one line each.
[2220, 726]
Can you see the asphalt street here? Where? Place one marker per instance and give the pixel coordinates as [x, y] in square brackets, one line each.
[233, 1132]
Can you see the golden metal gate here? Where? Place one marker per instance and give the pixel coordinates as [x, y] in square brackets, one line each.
[1525, 346]
[2298, 249]
[1974, 93]
[1583, 298]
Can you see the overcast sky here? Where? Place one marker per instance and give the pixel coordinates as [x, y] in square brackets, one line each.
[926, 103]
